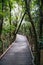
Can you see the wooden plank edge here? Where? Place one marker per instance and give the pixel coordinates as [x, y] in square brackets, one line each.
[6, 50]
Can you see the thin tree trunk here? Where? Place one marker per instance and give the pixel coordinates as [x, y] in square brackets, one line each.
[20, 23]
[41, 19]
[1, 21]
[41, 22]
[18, 27]
[1, 25]
[10, 21]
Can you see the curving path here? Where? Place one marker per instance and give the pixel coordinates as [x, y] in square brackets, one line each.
[19, 53]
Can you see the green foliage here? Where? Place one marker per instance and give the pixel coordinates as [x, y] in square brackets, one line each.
[25, 28]
[12, 17]
[6, 28]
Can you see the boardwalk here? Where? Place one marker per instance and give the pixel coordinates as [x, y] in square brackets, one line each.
[19, 53]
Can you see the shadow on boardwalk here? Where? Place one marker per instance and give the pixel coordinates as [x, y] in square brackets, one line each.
[19, 53]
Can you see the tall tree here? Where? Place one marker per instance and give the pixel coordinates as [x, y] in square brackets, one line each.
[1, 20]
[20, 23]
[41, 18]
[27, 2]
[10, 19]
[1, 23]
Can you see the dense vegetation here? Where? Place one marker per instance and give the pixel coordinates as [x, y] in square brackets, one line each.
[23, 17]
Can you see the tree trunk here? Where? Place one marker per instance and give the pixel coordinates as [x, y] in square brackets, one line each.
[1, 25]
[20, 23]
[35, 34]
[41, 22]
[10, 21]
[41, 19]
